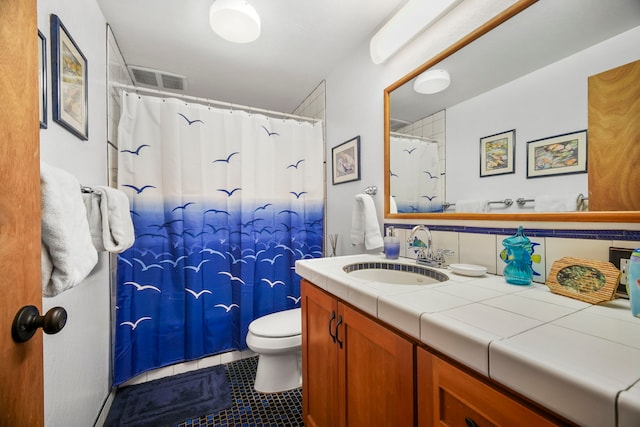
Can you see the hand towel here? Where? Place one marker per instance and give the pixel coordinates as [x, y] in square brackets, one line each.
[472, 206]
[393, 207]
[556, 203]
[65, 232]
[109, 219]
[364, 223]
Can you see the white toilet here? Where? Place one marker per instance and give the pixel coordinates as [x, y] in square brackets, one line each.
[277, 339]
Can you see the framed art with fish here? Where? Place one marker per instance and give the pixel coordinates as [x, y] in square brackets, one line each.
[557, 155]
[497, 153]
[69, 81]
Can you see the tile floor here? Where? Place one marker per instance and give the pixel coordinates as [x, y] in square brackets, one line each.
[252, 409]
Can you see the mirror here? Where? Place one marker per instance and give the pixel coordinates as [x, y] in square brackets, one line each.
[512, 60]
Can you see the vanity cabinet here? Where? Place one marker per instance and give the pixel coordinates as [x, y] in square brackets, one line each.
[356, 372]
[449, 396]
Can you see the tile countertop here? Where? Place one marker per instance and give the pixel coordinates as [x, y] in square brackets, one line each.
[575, 358]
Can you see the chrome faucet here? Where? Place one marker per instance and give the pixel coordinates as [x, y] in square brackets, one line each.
[424, 250]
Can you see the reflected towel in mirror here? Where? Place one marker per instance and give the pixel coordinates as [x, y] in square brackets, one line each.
[556, 203]
[472, 205]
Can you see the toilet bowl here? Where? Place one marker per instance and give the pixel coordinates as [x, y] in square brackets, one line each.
[277, 339]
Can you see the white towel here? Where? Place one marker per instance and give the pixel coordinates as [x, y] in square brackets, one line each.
[393, 206]
[68, 254]
[109, 219]
[472, 206]
[556, 203]
[364, 223]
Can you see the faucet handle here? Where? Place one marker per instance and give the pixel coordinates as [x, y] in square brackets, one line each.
[440, 256]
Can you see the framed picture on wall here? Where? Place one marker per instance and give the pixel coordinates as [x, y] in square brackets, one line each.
[68, 81]
[557, 155]
[42, 78]
[497, 154]
[346, 161]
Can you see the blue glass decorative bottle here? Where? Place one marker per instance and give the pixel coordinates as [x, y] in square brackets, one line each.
[518, 270]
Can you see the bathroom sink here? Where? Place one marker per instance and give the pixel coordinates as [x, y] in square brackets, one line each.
[394, 273]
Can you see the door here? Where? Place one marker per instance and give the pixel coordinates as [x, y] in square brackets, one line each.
[614, 133]
[376, 373]
[21, 370]
[319, 357]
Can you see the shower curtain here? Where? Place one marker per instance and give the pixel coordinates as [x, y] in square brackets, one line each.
[416, 182]
[223, 203]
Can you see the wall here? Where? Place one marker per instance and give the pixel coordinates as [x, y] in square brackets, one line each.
[548, 102]
[355, 107]
[76, 361]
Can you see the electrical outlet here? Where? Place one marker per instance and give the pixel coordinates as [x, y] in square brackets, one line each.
[624, 270]
[620, 258]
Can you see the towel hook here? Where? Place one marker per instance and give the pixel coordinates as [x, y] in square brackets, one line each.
[371, 190]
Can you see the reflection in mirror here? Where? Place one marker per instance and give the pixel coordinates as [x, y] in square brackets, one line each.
[417, 166]
[529, 73]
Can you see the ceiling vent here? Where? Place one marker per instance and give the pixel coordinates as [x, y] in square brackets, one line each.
[157, 79]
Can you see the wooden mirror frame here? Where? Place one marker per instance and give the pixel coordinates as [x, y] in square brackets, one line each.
[598, 216]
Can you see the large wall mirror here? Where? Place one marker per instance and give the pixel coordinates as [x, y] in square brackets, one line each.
[519, 88]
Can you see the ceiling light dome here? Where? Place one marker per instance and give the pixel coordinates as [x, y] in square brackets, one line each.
[234, 20]
[432, 81]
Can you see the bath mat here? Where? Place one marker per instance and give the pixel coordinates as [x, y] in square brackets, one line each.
[167, 401]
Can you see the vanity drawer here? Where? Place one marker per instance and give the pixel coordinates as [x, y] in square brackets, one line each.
[449, 396]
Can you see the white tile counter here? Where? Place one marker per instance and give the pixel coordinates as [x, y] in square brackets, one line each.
[577, 359]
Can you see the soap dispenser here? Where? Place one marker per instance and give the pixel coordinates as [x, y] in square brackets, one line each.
[518, 258]
[391, 244]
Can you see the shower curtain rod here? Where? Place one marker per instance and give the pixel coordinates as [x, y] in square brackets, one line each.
[424, 138]
[212, 101]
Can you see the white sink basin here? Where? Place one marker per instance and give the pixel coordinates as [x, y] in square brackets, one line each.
[394, 273]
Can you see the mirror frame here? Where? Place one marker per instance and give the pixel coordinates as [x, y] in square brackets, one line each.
[598, 216]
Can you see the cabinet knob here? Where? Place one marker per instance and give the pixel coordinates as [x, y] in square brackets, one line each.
[469, 422]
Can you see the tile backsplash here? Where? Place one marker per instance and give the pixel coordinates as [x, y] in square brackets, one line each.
[483, 245]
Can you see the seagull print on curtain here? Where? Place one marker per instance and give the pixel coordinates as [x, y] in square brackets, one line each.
[223, 204]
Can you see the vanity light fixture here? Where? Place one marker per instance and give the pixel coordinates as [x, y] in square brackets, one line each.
[414, 17]
[432, 81]
[234, 20]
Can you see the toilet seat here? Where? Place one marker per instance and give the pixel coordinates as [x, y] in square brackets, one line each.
[281, 324]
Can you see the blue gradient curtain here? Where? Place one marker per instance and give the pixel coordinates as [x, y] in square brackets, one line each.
[223, 203]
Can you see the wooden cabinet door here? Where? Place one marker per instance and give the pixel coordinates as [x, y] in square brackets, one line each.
[376, 373]
[448, 396]
[21, 370]
[319, 357]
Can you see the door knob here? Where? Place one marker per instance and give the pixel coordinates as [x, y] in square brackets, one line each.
[28, 319]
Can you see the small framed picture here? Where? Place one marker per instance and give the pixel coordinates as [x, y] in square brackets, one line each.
[42, 78]
[557, 155]
[68, 81]
[346, 161]
[497, 154]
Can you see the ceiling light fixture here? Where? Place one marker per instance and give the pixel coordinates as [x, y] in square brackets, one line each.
[234, 20]
[432, 81]
[414, 17]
